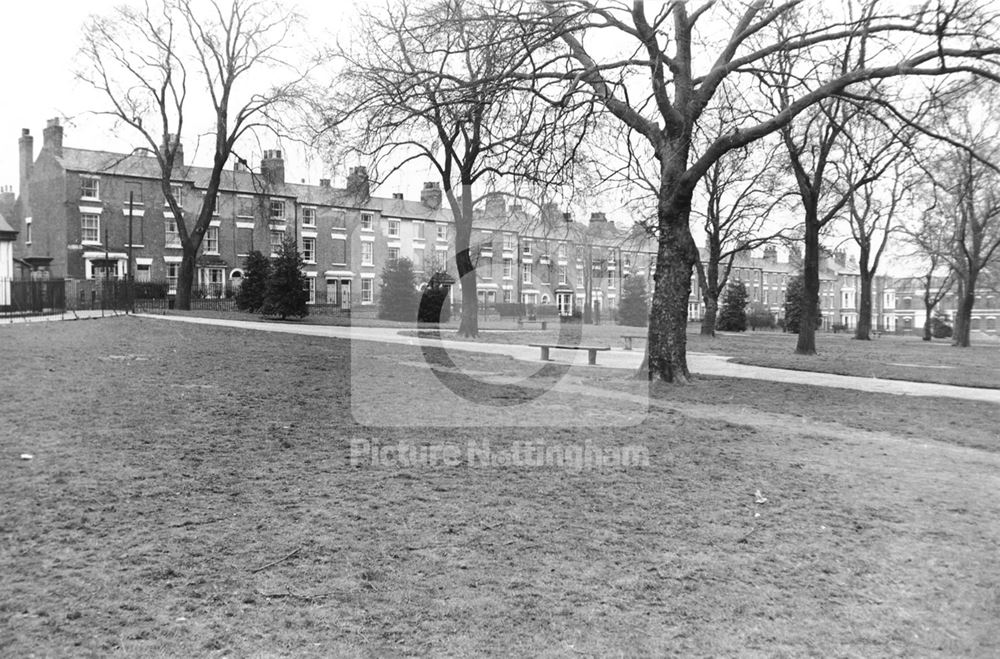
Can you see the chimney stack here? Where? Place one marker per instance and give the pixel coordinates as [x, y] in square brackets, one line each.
[272, 167]
[496, 205]
[567, 217]
[597, 217]
[27, 151]
[324, 183]
[430, 196]
[771, 254]
[397, 195]
[840, 257]
[52, 137]
[168, 144]
[358, 185]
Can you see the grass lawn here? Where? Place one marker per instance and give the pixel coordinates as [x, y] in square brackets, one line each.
[191, 494]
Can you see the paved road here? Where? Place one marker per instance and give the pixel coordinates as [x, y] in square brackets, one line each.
[702, 363]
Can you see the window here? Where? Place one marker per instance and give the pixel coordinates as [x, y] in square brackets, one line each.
[564, 302]
[339, 220]
[27, 231]
[90, 228]
[442, 232]
[561, 251]
[526, 273]
[612, 282]
[394, 228]
[215, 204]
[90, 188]
[142, 272]
[526, 248]
[311, 288]
[172, 270]
[173, 238]
[308, 217]
[212, 240]
[393, 254]
[508, 241]
[418, 230]
[275, 240]
[367, 220]
[418, 260]
[562, 275]
[133, 189]
[367, 291]
[177, 190]
[367, 253]
[277, 210]
[309, 250]
[339, 246]
[508, 268]
[244, 206]
[544, 275]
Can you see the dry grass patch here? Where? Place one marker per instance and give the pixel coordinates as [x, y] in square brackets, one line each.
[173, 462]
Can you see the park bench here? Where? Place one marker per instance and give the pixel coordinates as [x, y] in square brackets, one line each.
[628, 338]
[544, 323]
[591, 350]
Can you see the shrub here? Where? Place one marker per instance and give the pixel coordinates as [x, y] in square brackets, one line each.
[434, 306]
[940, 329]
[256, 272]
[634, 308]
[733, 314]
[793, 306]
[399, 298]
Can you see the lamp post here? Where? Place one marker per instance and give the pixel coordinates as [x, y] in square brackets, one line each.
[129, 286]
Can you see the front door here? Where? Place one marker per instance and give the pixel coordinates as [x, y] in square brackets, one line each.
[332, 289]
[345, 294]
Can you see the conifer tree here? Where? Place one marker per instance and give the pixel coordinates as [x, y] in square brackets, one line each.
[794, 306]
[733, 315]
[256, 272]
[398, 297]
[634, 308]
[286, 293]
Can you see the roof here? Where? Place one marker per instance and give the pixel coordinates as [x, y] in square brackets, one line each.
[7, 232]
[148, 167]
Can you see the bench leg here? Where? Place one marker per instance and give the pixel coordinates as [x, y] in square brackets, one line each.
[545, 353]
[592, 357]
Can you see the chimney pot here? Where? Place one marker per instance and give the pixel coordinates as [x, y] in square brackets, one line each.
[397, 195]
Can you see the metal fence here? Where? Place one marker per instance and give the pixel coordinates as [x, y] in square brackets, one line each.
[31, 297]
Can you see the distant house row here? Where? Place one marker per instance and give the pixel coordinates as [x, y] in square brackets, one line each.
[81, 212]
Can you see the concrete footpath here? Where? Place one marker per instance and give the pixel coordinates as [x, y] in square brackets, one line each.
[84, 314]
[700, 363]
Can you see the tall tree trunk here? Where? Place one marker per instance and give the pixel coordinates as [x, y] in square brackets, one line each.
[675, 261]
[185, 278]
[928, 310]
[708, 280]
[806, 344]
[711, 314]
[469, 325]
[963, 316]
[864, 329]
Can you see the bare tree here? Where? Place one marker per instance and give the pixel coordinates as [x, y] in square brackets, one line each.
[873, 206]
[930, 239]
[972, 207]
[651, 86]
[444, 83]
[739, 190]
[151, 65]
